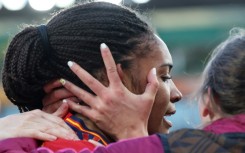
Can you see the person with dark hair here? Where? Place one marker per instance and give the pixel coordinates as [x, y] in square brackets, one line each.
[222, 107]
[38, 55]
[224, 133]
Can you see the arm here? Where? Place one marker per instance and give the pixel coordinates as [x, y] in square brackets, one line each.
[151, 144]
[35, 124]
[18, 145]
[138, 109]
[38, 124]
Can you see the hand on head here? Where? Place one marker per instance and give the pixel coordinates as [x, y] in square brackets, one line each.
[114, 109]
[135, 46]
[46, 125]
[52, 101]
[35, 124]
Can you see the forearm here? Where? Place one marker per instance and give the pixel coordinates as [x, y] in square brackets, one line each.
[18, 145]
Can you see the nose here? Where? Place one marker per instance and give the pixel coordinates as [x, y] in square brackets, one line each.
[175, 94]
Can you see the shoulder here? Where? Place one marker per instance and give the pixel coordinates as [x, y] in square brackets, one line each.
[191, 140]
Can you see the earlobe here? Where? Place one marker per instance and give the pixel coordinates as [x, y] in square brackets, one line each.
[204, 108]
[205, 112]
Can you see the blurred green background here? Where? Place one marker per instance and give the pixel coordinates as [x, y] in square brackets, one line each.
[191, 30]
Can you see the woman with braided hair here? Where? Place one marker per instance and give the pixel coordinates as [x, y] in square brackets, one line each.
[39, 54]
[223, 112]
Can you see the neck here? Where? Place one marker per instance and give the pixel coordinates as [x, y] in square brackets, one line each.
[209, 119]
[92, 126]
[227, 124]
[218, 115]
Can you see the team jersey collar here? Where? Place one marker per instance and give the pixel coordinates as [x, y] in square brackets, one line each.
[82, 131]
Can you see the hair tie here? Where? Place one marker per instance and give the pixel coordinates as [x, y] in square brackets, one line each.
[44, 38]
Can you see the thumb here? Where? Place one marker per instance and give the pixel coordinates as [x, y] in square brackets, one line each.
[62, 110]
[152, 85]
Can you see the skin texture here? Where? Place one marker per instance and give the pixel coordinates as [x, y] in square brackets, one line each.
[104, 108]
[55, 93]
[167, 94]
[209, 109]
[37, 124]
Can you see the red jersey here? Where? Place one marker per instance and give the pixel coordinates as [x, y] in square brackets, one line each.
[82, 132]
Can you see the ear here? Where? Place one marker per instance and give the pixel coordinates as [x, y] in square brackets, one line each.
[207, 110]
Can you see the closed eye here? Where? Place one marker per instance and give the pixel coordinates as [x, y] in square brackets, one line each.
[166, 78]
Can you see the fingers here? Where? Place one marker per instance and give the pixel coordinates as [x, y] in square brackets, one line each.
[58, 127]
[56, 95]
[62, 110]
[60, 133]
[152, 86]
[110, 65]
[51, 108]
[37, 124]
[79, 93]
[51, 86]
[74, 99]
[80, 109]
[41, 135]
[87, 79]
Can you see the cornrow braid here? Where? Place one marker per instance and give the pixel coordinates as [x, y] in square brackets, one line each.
[74, 34]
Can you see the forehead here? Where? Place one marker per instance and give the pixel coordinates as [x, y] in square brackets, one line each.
[160, 53]
[157, 56]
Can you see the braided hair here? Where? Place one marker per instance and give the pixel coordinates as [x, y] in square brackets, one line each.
[74, 34]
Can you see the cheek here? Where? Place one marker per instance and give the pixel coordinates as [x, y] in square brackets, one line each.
[159, 109]
[162, 99]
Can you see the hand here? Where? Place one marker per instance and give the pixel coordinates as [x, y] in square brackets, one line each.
[35, 124]
[52, 101]
[115, 109]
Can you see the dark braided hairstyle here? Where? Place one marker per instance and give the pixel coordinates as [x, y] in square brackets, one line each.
[74, 34]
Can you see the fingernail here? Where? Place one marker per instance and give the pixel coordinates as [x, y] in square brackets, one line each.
[154, 71]
[64, 101]
[63, 81]
[103, 46]
[70, 63]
